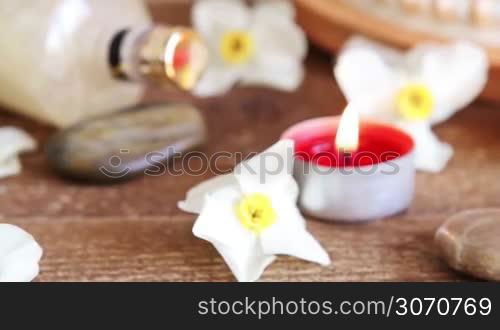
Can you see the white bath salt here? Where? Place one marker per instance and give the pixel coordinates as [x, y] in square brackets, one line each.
[13, 141]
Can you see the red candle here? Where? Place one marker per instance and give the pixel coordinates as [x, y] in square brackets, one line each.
[373, 180]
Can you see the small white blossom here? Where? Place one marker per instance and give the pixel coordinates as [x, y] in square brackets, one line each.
[254, 46]
[414, 90]
[251, 215]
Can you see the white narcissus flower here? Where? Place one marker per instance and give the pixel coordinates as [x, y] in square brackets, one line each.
[13, 142]
[414, 90]
[255, 46]
[19, 255]
[251, 215]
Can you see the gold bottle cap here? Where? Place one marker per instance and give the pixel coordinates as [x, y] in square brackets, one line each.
[173, 54]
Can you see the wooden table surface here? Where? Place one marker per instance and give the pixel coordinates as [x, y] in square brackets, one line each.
[134, 231]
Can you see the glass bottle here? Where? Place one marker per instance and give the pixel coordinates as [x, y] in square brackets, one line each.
[62, 61]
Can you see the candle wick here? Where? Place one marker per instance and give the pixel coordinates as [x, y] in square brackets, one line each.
[346, 157]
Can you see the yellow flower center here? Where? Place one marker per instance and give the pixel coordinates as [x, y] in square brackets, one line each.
[256, 212]
[237, 47]
[415, 102]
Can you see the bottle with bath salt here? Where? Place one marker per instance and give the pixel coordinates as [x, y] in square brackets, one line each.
[63, 61]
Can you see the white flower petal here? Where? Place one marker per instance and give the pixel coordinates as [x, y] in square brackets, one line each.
[456, 74]
[216, 80]
[274, 10]
[362, 73]
[218, 224]
[431, 154]
[19, 255]
[195, 197]
[270, 172]
[248, 263]
[289, 236]
[14, 141]
[280, 77]
[391, 56]
[379, 106]
[238, 246]
[10, 167]
[279, 40]
[280, 48]
[211, 17]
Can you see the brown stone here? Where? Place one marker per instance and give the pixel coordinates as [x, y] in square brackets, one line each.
[126, 144]
[470, 243]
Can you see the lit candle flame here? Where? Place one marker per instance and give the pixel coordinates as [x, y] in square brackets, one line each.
[347, 139]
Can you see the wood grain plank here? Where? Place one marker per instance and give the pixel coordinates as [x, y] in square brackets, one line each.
[163, 249]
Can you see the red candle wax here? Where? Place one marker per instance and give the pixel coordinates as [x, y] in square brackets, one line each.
[377, 143]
